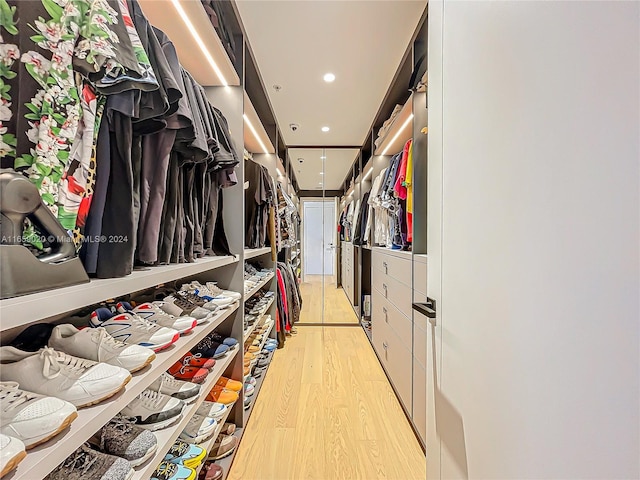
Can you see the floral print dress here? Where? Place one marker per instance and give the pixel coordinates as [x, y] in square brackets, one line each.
[57, 58]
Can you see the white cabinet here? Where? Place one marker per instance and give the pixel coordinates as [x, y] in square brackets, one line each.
[391, 324]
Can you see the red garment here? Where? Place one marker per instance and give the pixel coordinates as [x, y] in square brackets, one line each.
[284, 299]
[399, 187]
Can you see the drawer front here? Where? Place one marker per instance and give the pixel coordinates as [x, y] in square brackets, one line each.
[396, 292]
[420, 325]
[395, 357]
[395, 267]
[394, 318]
[420, 281]
[399, 361]
[419, 412]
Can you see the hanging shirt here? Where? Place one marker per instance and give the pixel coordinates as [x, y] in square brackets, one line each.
[400, 188]
[47, 44]
[409, 184]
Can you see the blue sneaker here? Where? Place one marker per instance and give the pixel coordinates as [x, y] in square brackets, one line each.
[171, 471]
[182, 453]
[209, 348]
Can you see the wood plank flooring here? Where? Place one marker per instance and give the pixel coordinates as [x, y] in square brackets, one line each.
[337, 308]
[326, 411]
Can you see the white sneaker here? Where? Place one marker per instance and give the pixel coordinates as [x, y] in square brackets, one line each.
[32, 418]
[179, 307]
[57, 374]
[97, 345]
[203, 292]
[12, 452]
[153, 313]
[212, 409]
[153, 410]
[167, 385]
[131, 329]
[198, 429]
[215, 289]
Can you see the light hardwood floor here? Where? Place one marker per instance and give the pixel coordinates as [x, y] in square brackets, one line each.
[326, 411]
[337, 308]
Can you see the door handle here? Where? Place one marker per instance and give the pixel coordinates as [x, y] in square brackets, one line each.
[386, 267]
[386, 314]
[386, 293]
[427, 309]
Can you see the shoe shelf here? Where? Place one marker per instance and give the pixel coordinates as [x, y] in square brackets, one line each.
[257, 288]
[44, 458]
[255, 252]
[27, 309]
[259, 382]
[167, 436]
[250, 330]
[265, 337]
[207, 444]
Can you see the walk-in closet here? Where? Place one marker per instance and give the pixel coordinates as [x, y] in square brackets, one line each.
[285, 240]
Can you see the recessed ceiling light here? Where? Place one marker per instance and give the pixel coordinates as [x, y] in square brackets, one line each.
[325, 129]
[321, 173]
[329, 77]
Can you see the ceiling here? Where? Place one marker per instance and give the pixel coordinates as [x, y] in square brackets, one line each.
[296, 42]
[336, 165]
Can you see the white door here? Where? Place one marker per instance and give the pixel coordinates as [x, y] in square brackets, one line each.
[319, 227]
[534, 240]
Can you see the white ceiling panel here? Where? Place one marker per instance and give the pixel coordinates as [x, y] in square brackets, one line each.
[296, 42]
[335, 167]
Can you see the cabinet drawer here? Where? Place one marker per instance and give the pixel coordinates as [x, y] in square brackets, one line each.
[395, 267]
[419, 410]
[396, 292]
[396, 359]
[420, 281]
[384, 310]
[420, 325]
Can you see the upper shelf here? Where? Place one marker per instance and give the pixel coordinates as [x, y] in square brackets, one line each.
[255, 252]
[27, 309]
[399, 132]
[254, 137]
[188, 26]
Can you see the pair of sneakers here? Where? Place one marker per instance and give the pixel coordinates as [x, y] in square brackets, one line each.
[180, 462]
[51, 372]
[30, 418]
[126, 326]
[210, 292]
[162, 403]
[225, 391]
[91, 343]
[100, 465]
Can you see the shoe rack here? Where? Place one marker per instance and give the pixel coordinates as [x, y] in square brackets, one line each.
[57, 305]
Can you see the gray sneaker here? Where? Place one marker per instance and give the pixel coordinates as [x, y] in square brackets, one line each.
[88, 464]
[120, 437]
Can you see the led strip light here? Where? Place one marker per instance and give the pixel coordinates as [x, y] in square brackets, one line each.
[255, 134]
[199, 41]
[395, 137]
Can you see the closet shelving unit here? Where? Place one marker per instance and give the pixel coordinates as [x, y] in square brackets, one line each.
[182, 21]
[19, 312]
[44, 458]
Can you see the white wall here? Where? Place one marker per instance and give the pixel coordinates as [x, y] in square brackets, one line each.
[537, 153]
